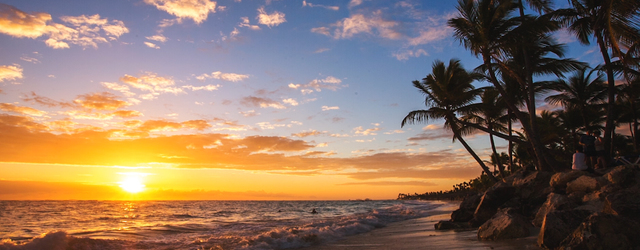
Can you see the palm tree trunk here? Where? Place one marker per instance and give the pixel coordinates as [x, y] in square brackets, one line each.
[475, 156]
[543, 163]
[497, 157]
[611, 86]
[510, 143]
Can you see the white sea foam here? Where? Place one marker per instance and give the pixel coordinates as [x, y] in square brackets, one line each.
[197, 225]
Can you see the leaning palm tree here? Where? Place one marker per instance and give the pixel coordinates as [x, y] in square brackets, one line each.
[491, 113]
[614, 25]
[448, 90]
[581, 92]
[483, 27]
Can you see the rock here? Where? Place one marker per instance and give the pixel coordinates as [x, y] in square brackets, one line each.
[576, 196]
[448, 225]
[620, 175]
[557, 225]
[604, 231]
[592, 205]
[504, 225]
[492, 199]
[610, 188]
[560, 180]
[554, 202]
[624, 203]
[467, 208]
[583, 184]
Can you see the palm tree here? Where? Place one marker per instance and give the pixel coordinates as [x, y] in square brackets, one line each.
[580, 92]
[483, 27]
[614, 25]
[448, 90]
[491, 113]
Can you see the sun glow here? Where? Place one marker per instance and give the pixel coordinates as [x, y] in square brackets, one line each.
[132, 182]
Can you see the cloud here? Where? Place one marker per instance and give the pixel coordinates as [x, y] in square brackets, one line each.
[197, 10]
[87, 31]
[30, 59]
[21, 109]
[229, 77]
[249, 113]
[290, 101]
[327, 108]
[320, 50]
[245, 23]
[397, 131]
[406, 54]
[270, 20]
[359, 23]
[100, 101]
[10, 72]
[151, 45]
[330, 83]
[370, 131]
[208, 87]
[308, 133]
[306, 4]
[391, 183]
[253, 101]
[153, 83]
[158, 38]
[354, 3]
[124, 89]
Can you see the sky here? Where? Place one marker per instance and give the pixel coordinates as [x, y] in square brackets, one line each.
[249, 100]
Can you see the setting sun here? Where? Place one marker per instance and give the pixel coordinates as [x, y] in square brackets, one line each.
[132, 182]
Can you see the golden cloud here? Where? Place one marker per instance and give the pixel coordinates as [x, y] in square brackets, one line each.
[270, 20]
[21, 109]
[87, 32]
[100, 101]
[197, 10]
[10, 72]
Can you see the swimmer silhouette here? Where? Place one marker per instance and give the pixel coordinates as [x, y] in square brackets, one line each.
[314, 211]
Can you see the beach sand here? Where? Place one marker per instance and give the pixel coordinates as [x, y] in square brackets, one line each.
[420, 234]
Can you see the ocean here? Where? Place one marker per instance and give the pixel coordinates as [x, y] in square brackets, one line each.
[167, 225]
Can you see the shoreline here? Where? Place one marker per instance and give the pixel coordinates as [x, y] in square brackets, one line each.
[420, 233]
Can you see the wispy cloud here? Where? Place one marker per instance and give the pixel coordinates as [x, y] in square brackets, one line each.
[260, 102]
[151, 45]
[308, 4]
[330, 83]
[230, 77]
[10, 72]
[196, 10]
[274, 19]
[85, 31]
[327, 108]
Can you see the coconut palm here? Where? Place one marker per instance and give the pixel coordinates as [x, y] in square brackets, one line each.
[491, 113]
[614, 25]
[484, 28]
[581, 92]
[448, 90]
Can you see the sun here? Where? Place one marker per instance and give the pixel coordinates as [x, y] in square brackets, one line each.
[132, 183]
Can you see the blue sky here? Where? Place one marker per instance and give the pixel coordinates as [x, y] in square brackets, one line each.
[326, 83]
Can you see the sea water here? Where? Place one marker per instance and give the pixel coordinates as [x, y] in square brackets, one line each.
[194, 224]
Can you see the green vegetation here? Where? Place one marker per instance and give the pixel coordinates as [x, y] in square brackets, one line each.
[515, 40]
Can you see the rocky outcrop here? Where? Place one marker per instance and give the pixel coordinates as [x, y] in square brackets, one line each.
[554, 202]
[467, 209]
[559, 180]
[505, 224]
[620, 175]
[557, 225]
[625, 203]
[448, 225]
[584, 184]
[492, 199]
[604, 231]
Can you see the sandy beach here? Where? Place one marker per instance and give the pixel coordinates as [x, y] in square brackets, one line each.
[420, 234]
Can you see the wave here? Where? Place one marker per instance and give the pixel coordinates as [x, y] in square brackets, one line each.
[62, 241]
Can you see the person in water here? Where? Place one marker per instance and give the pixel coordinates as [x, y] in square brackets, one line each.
[314, 211]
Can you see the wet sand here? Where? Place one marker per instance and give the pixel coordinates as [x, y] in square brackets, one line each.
[420, 234]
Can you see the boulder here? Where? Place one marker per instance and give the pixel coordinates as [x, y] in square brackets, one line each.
[554, 202]
[559, 180]
[448, 225]
[583, 184]
[504, 225]
[604, 231]
[557, 225]
[620, 175]
[624, 203]
[532, 190]
[492, 199]
[467, 208]
[592, 205]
